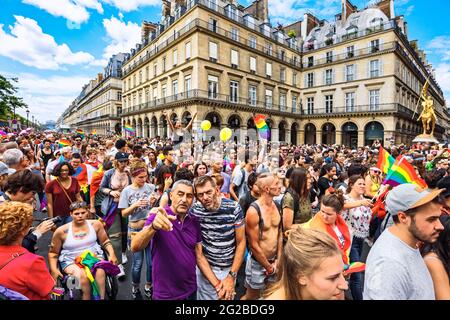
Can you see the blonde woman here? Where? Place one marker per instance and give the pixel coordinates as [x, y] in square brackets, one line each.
[311, 268]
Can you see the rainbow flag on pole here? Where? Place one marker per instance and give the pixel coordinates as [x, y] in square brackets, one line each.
[403, 172]
[81, 133]
[64, 143]
[385, 161]
[261, 125]
[94, 132]
[129, 129]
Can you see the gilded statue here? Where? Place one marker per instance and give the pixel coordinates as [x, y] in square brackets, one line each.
[428, 116]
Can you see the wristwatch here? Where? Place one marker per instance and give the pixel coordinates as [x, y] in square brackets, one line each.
[233, 274]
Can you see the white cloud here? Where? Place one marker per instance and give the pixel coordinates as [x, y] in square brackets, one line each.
[130, 5]
[29, 45]
[121, 36]
[72, 10]
[443, 78]
[47, 97]
[440, 46]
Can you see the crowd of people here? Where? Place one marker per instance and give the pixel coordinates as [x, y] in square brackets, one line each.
[290, 222]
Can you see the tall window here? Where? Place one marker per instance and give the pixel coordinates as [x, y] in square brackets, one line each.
[155, 93]
[252, 42]
[310, 80]
[155, 70]
[268, 69]
[350, 102]
[329, 77]
[374, 68]
[234, 88]
[163, 64]
[310, 105]
[213, 87]
[235, 34]
[187, 50]
[213, 51]
[350, 51]
[147, 73]
[294, 79]
[213, 25]
[294, 103]
[375, 45]
[282, 55]
[329, 56]
[119, 96]
[234, 58]
[163, 91]
[253, 64]
[268, 98]
[282, 101]
[268, 48]
[329, 104]
[175, 57]
[350, 72]
[374, 99]
[140, 76]
[187, 85]
[283, 75]
[174, 87]
[311, 61]
[252, 95]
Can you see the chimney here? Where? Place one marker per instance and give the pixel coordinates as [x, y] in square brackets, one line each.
[146, 28]
[347, 9]
[387, 6]
[99, 77]
[310, 22]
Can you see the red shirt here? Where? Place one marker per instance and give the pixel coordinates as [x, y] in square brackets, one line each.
[61, 203]
[27, 274]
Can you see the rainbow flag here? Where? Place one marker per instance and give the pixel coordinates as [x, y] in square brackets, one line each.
[94, 132]
[403, 172]
[64, 143]
[261, 125]
[129, 129]
[81, 133]
[385, 160]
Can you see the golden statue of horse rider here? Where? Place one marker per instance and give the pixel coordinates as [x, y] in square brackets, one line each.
[428, 116]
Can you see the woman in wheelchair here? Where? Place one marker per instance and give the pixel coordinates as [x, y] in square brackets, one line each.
[71, 240]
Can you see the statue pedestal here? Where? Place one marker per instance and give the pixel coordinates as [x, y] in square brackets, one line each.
[426, 138]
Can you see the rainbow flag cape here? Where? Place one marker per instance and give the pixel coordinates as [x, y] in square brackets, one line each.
[64, 143]
[403, 172]
[81, 133]
[261, 125]
[129, 129]
[385, 161]
[86, 261]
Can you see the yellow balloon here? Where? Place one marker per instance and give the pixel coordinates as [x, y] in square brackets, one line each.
[205, 125]
[225, 134]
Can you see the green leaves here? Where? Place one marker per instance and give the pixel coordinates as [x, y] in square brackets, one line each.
[8, 98]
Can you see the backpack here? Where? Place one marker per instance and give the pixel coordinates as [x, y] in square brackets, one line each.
[236, 187]
[261, 220]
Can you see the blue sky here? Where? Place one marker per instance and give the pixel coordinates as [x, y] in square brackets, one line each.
[56, 46]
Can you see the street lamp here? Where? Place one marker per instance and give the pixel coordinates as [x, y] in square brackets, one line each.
[28, 112]
[32, 122]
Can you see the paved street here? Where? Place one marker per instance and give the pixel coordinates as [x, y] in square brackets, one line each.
[124, 284]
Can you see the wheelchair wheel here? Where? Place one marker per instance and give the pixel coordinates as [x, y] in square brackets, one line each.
[111, 287]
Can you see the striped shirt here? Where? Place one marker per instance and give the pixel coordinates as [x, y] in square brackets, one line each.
[218, 231]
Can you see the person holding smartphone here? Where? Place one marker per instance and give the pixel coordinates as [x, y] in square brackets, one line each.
[136, 200]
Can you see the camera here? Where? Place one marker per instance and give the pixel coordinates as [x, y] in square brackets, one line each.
[54, 219]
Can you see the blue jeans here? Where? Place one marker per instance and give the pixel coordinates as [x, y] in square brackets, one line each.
[356, 278]
[138, 261]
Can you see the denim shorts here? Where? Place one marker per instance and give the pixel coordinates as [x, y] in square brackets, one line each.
[255, 274]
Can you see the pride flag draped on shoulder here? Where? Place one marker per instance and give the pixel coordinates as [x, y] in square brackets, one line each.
[261, 125]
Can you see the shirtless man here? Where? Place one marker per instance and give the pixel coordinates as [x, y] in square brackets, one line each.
[265, 243]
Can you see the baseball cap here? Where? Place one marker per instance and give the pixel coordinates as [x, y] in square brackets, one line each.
[444, 183]
[3, 169]
[122, 156]
[409, 196]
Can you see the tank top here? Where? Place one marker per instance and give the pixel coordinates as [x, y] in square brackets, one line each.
[72, 247]
[46, 157]
[375, 185]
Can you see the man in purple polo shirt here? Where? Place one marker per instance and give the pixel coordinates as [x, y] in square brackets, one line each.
[175, 234]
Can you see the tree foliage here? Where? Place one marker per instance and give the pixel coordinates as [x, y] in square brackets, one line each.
[8, 96]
